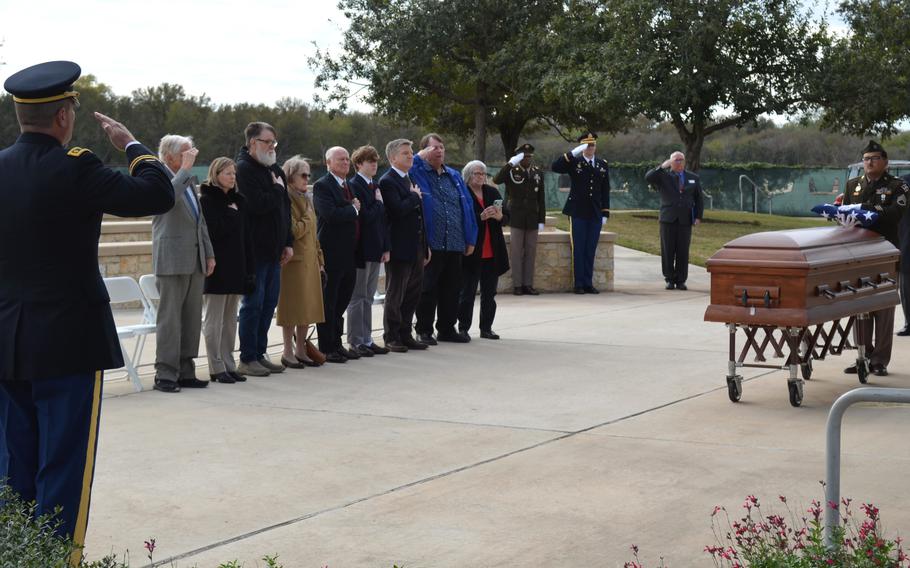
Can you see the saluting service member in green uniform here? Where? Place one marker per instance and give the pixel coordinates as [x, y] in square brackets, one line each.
[526, 200]
[877, 190]
[57, 333]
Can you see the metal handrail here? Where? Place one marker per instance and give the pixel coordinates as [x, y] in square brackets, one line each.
[832, 445]
[754, 193]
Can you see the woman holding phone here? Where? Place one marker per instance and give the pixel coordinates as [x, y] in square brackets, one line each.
[489, 260]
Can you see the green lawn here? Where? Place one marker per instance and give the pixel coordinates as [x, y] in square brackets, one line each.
[638, 229]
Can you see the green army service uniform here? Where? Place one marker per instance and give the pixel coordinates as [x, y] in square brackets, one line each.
[526, 200]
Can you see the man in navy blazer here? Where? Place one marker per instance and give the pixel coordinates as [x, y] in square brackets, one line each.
[681, 206]
[338, 230]
[408, 252]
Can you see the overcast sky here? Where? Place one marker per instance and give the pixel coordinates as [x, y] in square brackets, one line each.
[234, 51]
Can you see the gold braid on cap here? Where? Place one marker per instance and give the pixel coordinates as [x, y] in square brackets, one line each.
[60, 97]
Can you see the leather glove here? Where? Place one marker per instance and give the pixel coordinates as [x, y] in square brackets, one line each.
[516, 159]
[579, 149]
[249, 284]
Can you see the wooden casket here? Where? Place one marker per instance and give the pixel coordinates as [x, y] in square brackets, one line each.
[802, 277]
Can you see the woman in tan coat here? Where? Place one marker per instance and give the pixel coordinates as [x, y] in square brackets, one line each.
[300, 299]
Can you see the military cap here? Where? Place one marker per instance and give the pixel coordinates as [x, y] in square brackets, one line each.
[525, 149]
[588, 138]
[44, 82]
[874, 146]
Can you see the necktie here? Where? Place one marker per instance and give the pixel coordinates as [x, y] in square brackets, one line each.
[682, 183]
[350, 197]
[188, 194]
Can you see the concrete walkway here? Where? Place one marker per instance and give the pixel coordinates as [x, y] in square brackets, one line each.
[597, 422]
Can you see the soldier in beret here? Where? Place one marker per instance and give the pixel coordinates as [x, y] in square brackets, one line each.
[877, 190]
[588, 206]
[525, 198]
[57, 333]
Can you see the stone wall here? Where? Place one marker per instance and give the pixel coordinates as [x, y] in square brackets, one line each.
[553, 269]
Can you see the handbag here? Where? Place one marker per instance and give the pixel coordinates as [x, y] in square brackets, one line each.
[312, 351]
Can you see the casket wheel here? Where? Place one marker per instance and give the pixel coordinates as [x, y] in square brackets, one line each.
[806, 369]
[796, 393]
[734, 389]
[862, 370]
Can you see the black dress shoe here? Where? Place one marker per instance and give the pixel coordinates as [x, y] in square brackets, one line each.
[591, 290]
[425, 338]
[192, 383]
[453, 337]
[904, 331]
[681, 286]
[670, 286]
[237, 376]
[411, 343]
[578, 290]
[879, 370]
[292, 364]
[518, 290]
[488, 334]
[335, 357]
[398, 347]
[377, 349]
[349, 353]
[166, 385]
[465, 335]
[363, 351]
[851, 370]
[222, 378]
[529, 290]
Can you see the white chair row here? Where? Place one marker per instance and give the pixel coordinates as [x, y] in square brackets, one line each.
[124, 290]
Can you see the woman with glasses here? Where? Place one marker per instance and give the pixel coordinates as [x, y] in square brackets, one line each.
[300, 298]
[489, 260]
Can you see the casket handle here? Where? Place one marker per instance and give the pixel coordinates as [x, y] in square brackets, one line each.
[750, 296]
[825, 290]
[884, 277]
[866, 282]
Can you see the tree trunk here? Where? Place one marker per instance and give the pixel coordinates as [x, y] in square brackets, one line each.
[480, 124]
[509, 137]
[693, 151]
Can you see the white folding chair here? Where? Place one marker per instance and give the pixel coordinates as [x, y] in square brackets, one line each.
[149, 285]
[122, 290]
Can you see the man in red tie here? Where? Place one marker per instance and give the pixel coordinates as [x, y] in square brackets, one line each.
[681, 206]
[338, 227]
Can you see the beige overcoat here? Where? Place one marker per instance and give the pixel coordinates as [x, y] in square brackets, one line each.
[300, 299]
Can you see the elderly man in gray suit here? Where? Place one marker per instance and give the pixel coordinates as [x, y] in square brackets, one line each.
[182, 256]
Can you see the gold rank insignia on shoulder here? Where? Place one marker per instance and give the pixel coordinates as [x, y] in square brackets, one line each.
[76, 151]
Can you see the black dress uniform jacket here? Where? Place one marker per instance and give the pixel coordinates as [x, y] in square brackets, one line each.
[589, 196]
[336, 224]
[230, 235]
[525, 195]
[55, 315]
[405, 211]
[374, 227]
[497, 240]
[683, 206]
[887, 196]
[268, 207]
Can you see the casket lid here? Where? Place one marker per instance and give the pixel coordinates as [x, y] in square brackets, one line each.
[814, 247]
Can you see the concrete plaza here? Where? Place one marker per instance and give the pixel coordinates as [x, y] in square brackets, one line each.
[596, 423]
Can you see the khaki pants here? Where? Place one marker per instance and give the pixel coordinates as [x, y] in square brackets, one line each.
[523, 253]
[219, 326]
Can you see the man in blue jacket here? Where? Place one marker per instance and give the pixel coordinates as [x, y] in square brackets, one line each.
[451, 234]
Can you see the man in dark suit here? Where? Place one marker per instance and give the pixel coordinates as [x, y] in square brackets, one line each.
[338, 230]
[588, 206]
[372, 251]
[408, 252]
[57, 333]
[681, 206]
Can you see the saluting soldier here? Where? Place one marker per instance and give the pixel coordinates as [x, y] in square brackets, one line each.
[525, 198]
[57, 333]
[877, 190]
[588, 206]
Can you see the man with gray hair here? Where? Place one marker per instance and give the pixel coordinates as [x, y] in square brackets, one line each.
[182, 256]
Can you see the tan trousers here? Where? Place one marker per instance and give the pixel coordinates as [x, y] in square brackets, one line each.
[523, 252]
[219, 326]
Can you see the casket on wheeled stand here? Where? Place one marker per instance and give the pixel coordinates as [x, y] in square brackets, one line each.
[800, 292]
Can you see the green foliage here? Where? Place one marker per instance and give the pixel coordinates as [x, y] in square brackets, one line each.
[28, 540]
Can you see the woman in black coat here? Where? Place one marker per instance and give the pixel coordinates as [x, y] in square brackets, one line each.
[234, 275]
[489, 260]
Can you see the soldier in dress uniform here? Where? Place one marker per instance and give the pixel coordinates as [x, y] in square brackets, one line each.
[525, 198]
[588, 206]
[877, 190]
[57, 332]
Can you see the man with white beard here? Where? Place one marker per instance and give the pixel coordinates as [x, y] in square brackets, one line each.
[263, 185]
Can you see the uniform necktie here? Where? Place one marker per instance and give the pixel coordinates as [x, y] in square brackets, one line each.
[188, 194]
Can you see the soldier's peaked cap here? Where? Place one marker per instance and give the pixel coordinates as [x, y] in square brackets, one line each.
[527, 149]
[44, 82]
[874, 146]
[588, 138]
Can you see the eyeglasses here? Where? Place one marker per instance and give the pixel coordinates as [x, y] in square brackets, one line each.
[479, 173]
[872, 159]
[304, 175]
[269, 143]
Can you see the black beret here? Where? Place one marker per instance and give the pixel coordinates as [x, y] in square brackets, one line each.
[527, 149]
[874, 146]
[44, 82]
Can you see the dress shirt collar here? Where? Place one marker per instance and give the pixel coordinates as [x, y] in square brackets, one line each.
[399, 172]
[338, 179]
[365, 178]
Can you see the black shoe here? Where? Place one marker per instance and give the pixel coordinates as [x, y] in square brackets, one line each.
[425, 338]
[411, 343]
[348, 353]
[879, 370]
[578, 290]
[363, 351]
[904, 332]
[591, 290]
[398, 346]
[465, 335]
[681, 286]
[518, 290]
[237, 376]
[307, 362]
[222, 378]
[292, 364]
[453, 337]
[377, 349]
[851, 370]
[335, 357]
[529, 290]
[670, 286]
[488, 334]
[192, 383]
[166, 385]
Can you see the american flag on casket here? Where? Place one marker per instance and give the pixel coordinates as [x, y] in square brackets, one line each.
[847, 215]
